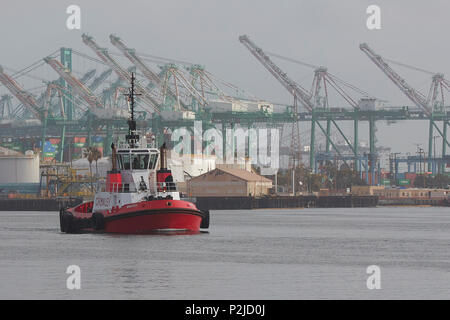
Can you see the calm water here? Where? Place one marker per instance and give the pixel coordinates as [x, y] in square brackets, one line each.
[260, 254]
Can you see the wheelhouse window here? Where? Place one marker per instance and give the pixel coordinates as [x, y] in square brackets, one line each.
[123, 161]
[153, 160]
[137, 161]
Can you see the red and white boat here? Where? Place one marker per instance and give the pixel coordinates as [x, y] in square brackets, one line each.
[139, 195]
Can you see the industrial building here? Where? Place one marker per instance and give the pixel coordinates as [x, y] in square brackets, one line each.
[400, 193]
[224, 182]
[367, 190]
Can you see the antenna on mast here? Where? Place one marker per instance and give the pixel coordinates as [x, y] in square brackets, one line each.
[132, 137]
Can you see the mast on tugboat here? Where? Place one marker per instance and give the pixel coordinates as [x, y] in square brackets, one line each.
[132, 137]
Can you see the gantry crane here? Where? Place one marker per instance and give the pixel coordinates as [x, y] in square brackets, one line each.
[131, 55]
[415, 96]
[433, 105]
[40, 111]
[64, 92]
[311, 100]
[295, 89]
[103, 54]
[154, 78]
[316, 102]
[23, 96]
[83, 91]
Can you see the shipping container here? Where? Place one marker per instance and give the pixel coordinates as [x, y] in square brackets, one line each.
[403, 182]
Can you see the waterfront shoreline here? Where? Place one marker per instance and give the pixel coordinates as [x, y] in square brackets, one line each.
[243, 203]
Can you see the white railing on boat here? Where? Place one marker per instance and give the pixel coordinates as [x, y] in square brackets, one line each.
[116, 187]
[166, 186]
[127, 188]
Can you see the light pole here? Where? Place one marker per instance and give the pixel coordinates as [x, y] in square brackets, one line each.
[434, 152]
[293, 182]
[396, 166]
[276, 182]
[309, 181]
[420, 165]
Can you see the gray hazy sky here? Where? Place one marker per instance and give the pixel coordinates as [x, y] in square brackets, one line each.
[322, 32]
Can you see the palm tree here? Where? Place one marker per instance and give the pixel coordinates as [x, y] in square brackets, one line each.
[96, 155]
[89, 154]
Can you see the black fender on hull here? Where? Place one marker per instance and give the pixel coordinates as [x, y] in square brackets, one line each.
[205, 220]
[98, 221]
[61, 220]
[67, 222]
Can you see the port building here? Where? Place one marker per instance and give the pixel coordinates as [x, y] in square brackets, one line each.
[225, 182]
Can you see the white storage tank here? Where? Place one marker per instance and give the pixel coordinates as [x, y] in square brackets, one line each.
[16, 167]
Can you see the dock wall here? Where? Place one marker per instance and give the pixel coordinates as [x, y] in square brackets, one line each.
[38, 204]
[230, 203]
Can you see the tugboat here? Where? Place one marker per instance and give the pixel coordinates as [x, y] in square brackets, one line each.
[137, 198]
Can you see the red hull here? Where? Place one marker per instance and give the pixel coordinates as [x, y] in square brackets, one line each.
[146, 222]
[136, 218]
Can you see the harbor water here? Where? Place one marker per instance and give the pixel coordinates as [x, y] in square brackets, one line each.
[246, 254]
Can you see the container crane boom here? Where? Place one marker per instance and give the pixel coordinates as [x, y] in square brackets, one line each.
[416, 97]
[23, 96]
[103, 54]
[294, 88]
[131, 55]
[88, 76]
[99, 80]
[152, 76]
[76, 84]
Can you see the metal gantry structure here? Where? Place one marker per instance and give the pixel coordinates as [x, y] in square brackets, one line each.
[69, 107]
[176, 96]
[432, 105]
[54, 118]
[317, 107]
[153, 78]
[102, 53]
[26, 98]
[295, 89]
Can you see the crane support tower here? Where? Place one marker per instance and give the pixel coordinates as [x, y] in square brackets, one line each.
[433, 105]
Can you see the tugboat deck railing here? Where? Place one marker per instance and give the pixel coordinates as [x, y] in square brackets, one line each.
[127, 188]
